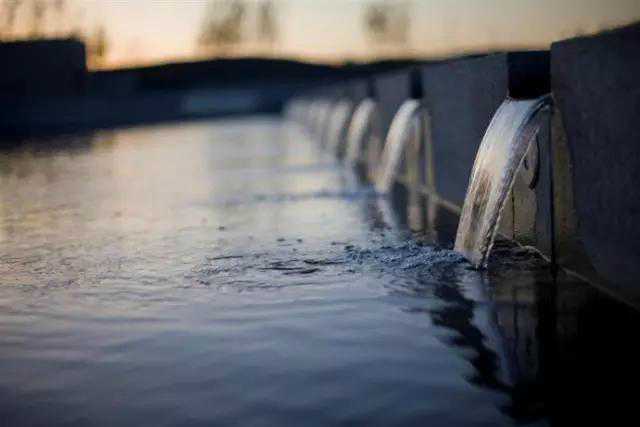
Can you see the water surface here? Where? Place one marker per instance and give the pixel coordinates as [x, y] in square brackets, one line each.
[225, 272]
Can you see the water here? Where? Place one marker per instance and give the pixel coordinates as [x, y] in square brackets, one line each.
[503, 147]
[401, 129]
[224, 272]
[360, 125]
[337, 127]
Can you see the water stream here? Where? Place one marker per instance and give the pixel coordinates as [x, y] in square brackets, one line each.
[337, 127]
[399, 134]
[501, 152]
[359, 129]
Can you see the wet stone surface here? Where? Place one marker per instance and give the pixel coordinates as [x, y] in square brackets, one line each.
[226, 272]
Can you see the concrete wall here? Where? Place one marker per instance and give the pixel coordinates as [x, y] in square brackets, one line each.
[357, 89]
[461, 97]
[391, 90]
[595, 86]
[577, 197]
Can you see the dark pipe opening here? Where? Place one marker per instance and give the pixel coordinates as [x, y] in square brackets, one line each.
[416, 90]
[529, 74]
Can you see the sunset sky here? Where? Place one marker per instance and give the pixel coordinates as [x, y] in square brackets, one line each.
[145, 31]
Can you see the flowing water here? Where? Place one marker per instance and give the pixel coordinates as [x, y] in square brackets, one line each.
[400, 132]
[503, 147]
[225, 273]
[360, 129]
[337, 127]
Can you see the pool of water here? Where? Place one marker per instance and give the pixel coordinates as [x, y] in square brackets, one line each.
[226, 272]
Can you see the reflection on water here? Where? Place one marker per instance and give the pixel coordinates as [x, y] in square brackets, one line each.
[225, 272]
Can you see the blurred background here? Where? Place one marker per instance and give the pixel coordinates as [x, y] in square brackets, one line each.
[73, 65]
[122, 33]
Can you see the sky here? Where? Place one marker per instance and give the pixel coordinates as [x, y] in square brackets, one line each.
[149, 31]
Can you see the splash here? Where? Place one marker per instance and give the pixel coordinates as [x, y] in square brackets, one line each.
[503, 147]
